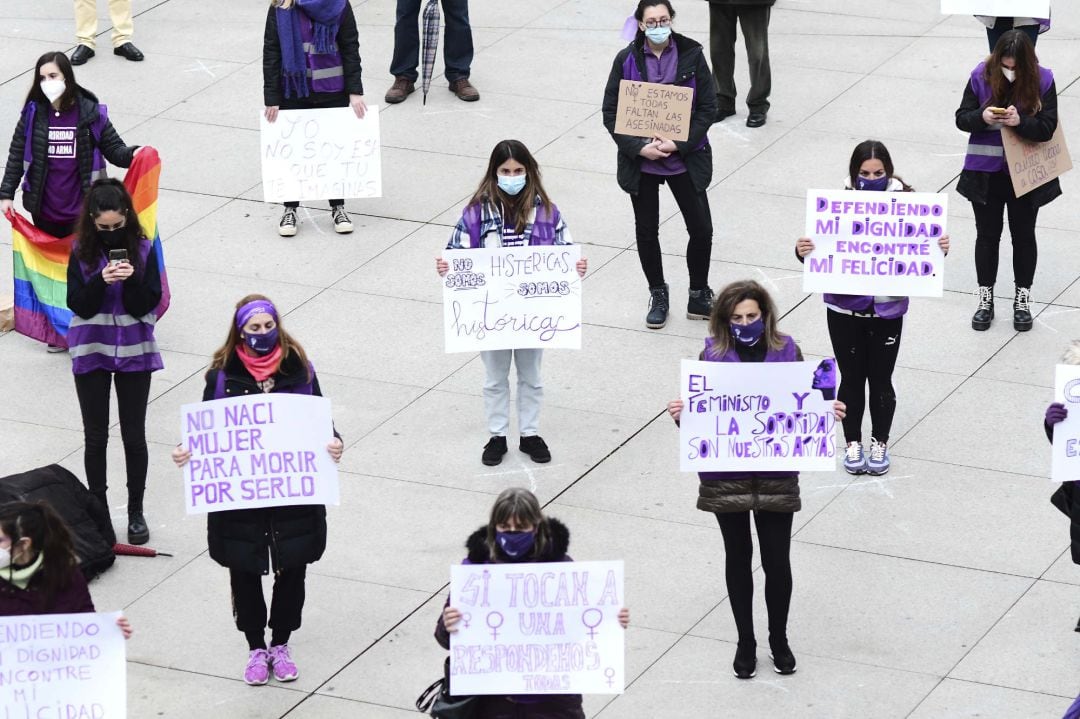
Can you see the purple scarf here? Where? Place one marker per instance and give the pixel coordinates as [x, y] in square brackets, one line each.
[325, 17]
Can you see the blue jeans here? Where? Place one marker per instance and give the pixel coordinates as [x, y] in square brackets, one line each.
[1003, 24]
[457, 44]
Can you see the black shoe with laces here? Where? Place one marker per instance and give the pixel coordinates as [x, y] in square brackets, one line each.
[984, 313]
[536, 448]
[745, 664]
[699, 304]
[287, 226]
[1022, 310]
[658, 307]
[494, 451]
[782, 658]
[342, 223]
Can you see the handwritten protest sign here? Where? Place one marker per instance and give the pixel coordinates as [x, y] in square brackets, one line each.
[650, 109]
[324, 154]
[1065, 464]
[875, 243]
[999, 8]
[265, 450]
[512, 298]
[758, 416]
[548, 628]
[62, 666]
[1033, 164]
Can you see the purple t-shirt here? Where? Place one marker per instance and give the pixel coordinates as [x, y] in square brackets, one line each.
[662, 69]
[62, 198]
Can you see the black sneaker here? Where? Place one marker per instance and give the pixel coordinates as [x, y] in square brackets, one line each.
[536, 448]
[494, 451]
[138, 532]
[745, 664]
[782, 658]
[699, 305]
[1022, 310]
[658, 307]
[287, 226]
[342, 223]
[984, 313]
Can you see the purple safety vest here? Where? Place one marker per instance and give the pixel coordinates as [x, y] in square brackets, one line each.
[325, 72]
[540, 232]
[985, 153]
[97, 171]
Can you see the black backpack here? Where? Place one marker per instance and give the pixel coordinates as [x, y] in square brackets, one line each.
[89, 521]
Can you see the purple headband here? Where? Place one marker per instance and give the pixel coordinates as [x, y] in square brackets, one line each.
[253, 308]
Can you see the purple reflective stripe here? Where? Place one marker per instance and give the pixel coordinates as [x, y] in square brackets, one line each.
[984, 146]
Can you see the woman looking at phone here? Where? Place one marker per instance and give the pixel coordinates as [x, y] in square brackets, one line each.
[1007, 90]
[113, 287]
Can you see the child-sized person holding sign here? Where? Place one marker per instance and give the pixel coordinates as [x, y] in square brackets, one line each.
[518, 532]
[742, 328]
[511, 209]
[260, 356]
[865, 330]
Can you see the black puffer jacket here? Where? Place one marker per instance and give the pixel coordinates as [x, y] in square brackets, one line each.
[107, 141]
[242, 538]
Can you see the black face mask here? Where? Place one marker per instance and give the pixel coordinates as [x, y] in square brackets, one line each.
[112, 238]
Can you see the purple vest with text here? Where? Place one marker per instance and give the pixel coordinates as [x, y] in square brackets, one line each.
[985, 153]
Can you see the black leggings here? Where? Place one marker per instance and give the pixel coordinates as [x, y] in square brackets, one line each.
[989, 223]
[694, 207]
[286, 605]
[866, 349]
[132, 392]
[774, 535]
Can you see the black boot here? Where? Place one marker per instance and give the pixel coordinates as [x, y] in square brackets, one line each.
[658, 307]
[985, 312]
[699, 304]
[1022, 309]
[745, 664]
[137, 531]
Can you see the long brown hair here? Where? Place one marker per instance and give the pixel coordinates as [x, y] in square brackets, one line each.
[1024, 91]
[107, 195]
[48, 535]
[523, 507]
[288, 345]
[515, 208]
[724, 308]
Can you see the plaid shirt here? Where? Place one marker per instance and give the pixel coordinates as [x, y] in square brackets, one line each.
[491, 229]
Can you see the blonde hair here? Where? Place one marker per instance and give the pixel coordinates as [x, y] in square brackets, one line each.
[283, 4]
[1072, 353]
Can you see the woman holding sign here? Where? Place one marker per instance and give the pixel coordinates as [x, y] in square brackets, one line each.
[113, 289]
[518, 532]
[1007, 92]
[659, 55]
[510, 208]
[743, 328]
[260, 356]
[865, 329]
[311, 59]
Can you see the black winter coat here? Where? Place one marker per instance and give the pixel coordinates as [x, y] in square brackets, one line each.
[241, 538]
[348, 42]
[692, 64]
[1067, 499]
[109, 143]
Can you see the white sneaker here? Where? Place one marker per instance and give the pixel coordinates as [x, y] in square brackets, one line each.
[287, 226]
[854, 459]
[342, 223]
[878, 463]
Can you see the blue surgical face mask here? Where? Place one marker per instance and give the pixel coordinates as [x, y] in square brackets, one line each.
[262, 344]
[748, 334]
[875, 185]
[512, 184]
[658, 35]
[515, 544]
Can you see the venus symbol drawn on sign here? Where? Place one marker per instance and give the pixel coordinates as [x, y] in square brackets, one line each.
[586, 618]
[465, 619]
[610, 674]
[492, 625]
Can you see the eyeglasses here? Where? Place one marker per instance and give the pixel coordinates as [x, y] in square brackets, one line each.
[653, 24]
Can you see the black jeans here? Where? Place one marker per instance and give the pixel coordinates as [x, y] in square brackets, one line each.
[989, 222]
[457, 45]
[56, 229]
[286, 605]
[754, 20]
[1003, 25]
[132, 392]
[866, 350]
[694, 206]
[774, 534]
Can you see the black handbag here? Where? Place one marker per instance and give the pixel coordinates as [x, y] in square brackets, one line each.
[437, 701]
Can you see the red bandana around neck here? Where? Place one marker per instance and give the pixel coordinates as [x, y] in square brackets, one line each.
[261, 367]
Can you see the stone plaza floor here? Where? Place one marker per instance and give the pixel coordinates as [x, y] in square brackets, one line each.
[942, 589]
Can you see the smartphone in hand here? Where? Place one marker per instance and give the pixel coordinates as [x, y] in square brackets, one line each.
[118, 256]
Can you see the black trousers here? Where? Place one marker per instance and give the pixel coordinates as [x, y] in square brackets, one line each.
[694, 207]
[457, 42]
[132, 393]
[989, 223]
[56, 229]
[866, 350]
[286, 605]
[755, 27]
[1003, 24]
[774, 535]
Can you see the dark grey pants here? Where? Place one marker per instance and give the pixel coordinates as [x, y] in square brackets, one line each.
[754, 20]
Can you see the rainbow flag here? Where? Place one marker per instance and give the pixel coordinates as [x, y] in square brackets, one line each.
[41, 260]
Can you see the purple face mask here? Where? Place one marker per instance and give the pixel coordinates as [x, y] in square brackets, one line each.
[879, 185]
[515, 544]
[748, 334]
[262, 344]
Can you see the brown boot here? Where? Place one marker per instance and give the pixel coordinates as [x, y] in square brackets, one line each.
[401, 89]
[464, 90]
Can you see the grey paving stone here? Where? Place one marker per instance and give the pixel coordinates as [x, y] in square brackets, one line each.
[955, 699]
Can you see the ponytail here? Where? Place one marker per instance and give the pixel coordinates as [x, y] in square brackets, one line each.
[49, 535]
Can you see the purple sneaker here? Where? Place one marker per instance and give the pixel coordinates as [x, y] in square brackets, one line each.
[284, 669]
[258, 668]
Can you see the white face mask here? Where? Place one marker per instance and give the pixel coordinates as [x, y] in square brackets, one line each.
[1010, 75]
[5, 558]
[53, 89]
